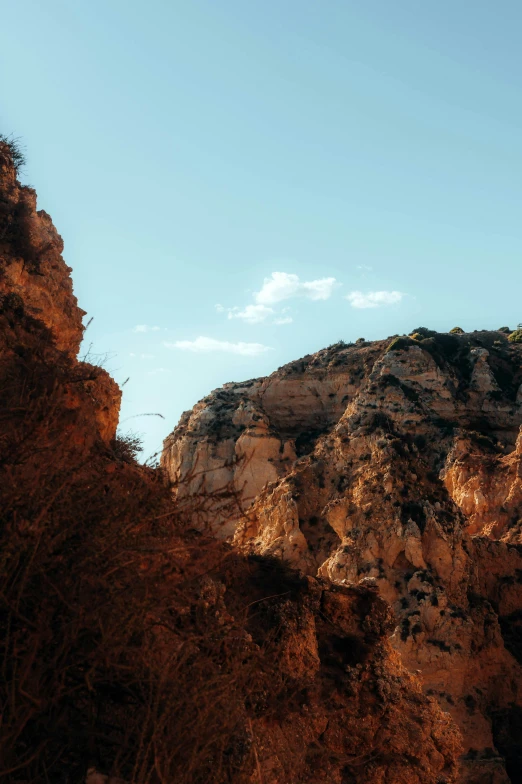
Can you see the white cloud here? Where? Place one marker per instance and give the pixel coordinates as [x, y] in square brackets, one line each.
[277, 288]
[319, 289]
[364, 267]
[284, 285]
[142, 356]
[145, 328]
[252, 314]
[204, 345]
[373, 299]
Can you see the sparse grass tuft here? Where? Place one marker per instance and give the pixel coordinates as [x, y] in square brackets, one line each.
[127, 447]
[11, 149]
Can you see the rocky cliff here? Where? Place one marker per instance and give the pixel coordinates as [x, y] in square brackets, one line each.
[398, 464]
[134, 648]
[32, 269]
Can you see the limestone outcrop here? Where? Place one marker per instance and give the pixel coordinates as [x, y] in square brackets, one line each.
[397, 463]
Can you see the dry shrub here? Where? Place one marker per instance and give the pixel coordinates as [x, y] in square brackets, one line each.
[127, 446]
[119, 648]
[11, 152]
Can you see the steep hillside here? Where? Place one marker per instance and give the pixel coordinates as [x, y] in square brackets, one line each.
[398, 464]
[131, 644]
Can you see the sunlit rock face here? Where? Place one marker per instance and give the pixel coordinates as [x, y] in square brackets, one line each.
[244, 436]
[31, 261]
[403, 466]
[36, 285]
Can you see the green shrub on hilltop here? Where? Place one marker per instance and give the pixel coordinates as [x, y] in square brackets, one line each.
[516, 336]
[400, 343]
[457, 331]
[417, 336]
[505, 330]
[340, 344]
[424, 331]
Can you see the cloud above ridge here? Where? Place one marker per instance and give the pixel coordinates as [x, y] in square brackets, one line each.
[204, 345]
[252, 314]
[373, 299]
[285, 285]
[280, 286]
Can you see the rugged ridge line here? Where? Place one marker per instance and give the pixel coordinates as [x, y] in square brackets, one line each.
[397, 463]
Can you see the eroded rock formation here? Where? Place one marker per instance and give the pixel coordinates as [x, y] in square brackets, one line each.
[32, 268]
[402, 467]
[135, 649]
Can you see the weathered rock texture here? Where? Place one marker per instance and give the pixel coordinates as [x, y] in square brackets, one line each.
[135, 649]
[339, 706]
[401, 466]
[31, 264]
[40, 316]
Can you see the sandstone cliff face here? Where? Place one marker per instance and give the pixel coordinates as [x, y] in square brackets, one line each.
[407, 472]
[243, 436]
[348, 710]
[39, 312]
[31, 264]
[134, 649]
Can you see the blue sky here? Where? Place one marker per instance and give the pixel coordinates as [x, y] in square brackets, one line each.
[368, 152]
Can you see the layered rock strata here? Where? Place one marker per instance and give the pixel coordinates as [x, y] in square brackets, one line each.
[399, 464]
